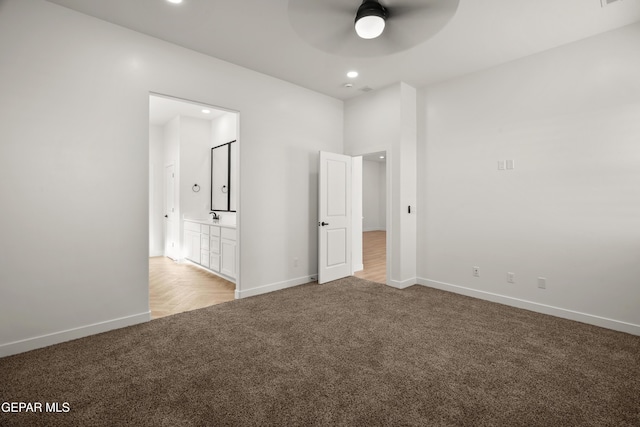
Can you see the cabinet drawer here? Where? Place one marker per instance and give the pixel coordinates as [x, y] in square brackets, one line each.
[229, 233]
[204, 258]
[204, 242]
[214, 262]
[191, 226]
[214, 230]
[214, 245]
[204, 229]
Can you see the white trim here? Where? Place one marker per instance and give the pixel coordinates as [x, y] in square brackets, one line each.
[564, 313]
[403, 284]
[71, 334]
[358, 267]
[244, 293]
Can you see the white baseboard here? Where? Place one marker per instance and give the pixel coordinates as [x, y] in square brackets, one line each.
[259, 290]
[71, 334]
[590, 319]
[358, 267]
[402, 284]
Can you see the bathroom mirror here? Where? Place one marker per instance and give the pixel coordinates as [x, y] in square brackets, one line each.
[223, 178]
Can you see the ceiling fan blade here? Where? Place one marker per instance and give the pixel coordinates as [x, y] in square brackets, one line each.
[326, 24]
[329, 25]
[425, 17]
[408, 8]
[323, 8]
[337, 39]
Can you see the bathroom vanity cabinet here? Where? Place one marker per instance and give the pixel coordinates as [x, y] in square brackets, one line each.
[212, 247]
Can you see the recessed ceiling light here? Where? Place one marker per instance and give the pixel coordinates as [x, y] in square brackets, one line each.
[352, 74]
[382, 157]
[175, 1]
[206, 111]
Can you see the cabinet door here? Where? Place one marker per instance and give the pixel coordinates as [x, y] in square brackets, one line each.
[228, 249]
[214, 262]
[204, 242]
[188, 247]
[214, 245]
[204, 258]
[192, 246]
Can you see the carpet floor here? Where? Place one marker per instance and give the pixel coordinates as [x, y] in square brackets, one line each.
[350, 352]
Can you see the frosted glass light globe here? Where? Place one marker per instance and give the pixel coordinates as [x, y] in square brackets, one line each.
[369, 27]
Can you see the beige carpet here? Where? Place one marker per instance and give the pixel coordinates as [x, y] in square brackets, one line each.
[350, 352]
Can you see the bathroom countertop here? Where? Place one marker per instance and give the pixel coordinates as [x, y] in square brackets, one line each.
[209, 221]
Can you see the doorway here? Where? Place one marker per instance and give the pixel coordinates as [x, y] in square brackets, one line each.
[181, 137]
[374, 217]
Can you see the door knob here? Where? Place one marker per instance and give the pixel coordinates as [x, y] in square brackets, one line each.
[324, 223]
[166, 216]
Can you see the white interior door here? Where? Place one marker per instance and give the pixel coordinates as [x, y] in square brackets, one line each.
[334, 217]
[169, 213]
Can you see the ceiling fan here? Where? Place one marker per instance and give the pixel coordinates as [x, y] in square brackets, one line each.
[368, 27]
[371, 18]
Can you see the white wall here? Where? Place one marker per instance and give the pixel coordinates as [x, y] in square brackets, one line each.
[156, 191]
[195, 167]
[224, 129]
[74, 258]
[385, 120]
[374, 192]
[569, 211]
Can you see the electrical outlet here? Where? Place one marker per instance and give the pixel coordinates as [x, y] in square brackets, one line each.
[542, 282]
[501, 165]
[511, 277]
[476, 271]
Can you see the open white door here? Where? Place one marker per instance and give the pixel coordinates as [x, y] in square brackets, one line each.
[334, 217]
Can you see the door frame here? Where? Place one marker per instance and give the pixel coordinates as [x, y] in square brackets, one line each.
[389, 203]
[174, 252]
[238, 184]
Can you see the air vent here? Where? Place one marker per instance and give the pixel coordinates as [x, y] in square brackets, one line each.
[366, 89]
[605, 3]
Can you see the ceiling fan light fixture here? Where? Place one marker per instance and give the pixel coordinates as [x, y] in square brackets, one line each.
[370, 19]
